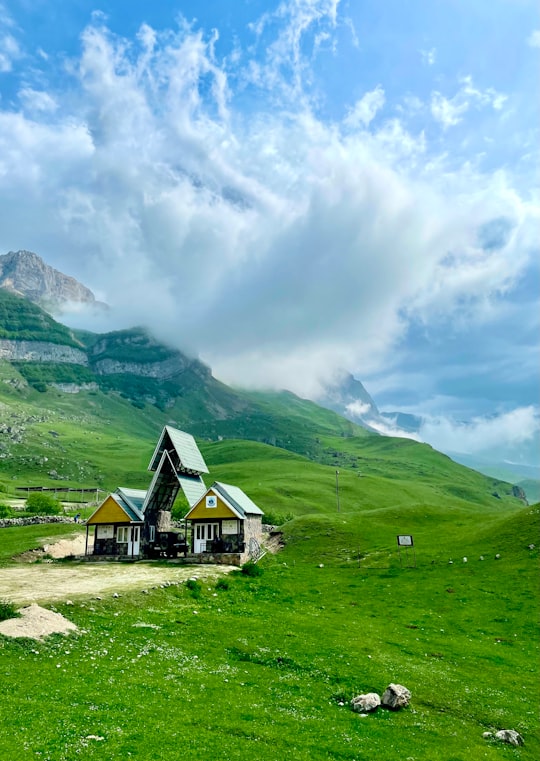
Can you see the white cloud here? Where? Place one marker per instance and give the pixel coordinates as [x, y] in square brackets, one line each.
[450, 111]
[447, 112]
[482, 434]
[296, 23]
[534, 39]
[37, 100]
[365, 109]
[428, 56]
[9, 52]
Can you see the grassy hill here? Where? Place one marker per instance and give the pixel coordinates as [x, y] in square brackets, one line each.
[20, 320]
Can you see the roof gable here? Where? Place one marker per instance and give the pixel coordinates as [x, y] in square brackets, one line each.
[222, 509]
[113, 510]
[230, 497]
[133, 498]
[236, 497]
[183, 445]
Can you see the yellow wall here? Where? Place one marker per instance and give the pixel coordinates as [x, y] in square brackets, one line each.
[201, 512]
[109, 512]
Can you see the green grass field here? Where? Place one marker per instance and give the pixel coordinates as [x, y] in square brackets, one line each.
[266, 668]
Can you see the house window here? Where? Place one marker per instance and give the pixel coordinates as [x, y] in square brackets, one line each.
[122, 534]
[211, 501]
[152, 534]
[104, 532]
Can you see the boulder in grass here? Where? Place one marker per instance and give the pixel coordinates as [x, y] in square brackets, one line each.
[509, 736]
[365, 703]
[396, 696]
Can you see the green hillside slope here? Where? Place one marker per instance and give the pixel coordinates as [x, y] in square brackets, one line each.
[104, 434]
[20, 320]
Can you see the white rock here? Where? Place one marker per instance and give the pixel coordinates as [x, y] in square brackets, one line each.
[365, 703]
[509, 736]
[396, 696]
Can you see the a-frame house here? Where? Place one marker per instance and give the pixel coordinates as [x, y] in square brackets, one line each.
[127, 521]
[178, 464]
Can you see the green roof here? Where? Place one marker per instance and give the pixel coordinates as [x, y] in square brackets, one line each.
[238, 499]
[185, 447]
[131, 501]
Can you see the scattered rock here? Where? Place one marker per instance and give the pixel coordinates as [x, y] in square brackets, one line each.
[531, 546]
[497, 556]
[365, 703]
[509, 736]
[487, 735]
[464, 560]
[396, 696]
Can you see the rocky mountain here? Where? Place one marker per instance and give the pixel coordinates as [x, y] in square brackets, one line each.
[349, 398]
[46, 353]
[25, 273]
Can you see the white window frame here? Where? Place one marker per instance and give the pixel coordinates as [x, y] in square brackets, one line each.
[152, 537]
[122, 534]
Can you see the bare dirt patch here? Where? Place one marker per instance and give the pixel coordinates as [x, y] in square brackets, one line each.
[36, 622]
[73, 546]
[24, 584]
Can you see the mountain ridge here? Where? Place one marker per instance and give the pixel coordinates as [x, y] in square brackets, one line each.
[26, 273]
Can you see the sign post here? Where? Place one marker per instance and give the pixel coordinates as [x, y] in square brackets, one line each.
[406, 541]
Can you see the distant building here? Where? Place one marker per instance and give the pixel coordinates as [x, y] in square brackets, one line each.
[133, 523]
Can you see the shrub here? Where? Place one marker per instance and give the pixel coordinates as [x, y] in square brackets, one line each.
[5, 511]
[194, 586]
[8, 610]
[276, 519]
[39, 503]
[222, 584]
[251, 569]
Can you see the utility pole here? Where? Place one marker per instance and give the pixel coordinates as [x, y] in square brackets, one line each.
[337, 489]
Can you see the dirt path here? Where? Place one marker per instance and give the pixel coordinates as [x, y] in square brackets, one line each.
[24, 584]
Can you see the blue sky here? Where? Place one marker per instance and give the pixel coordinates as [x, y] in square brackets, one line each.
[293, 188]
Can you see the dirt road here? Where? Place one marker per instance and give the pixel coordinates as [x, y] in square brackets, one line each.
[25, 584]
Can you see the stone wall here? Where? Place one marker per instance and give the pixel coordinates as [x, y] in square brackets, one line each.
[252, 529]
[35, 519]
